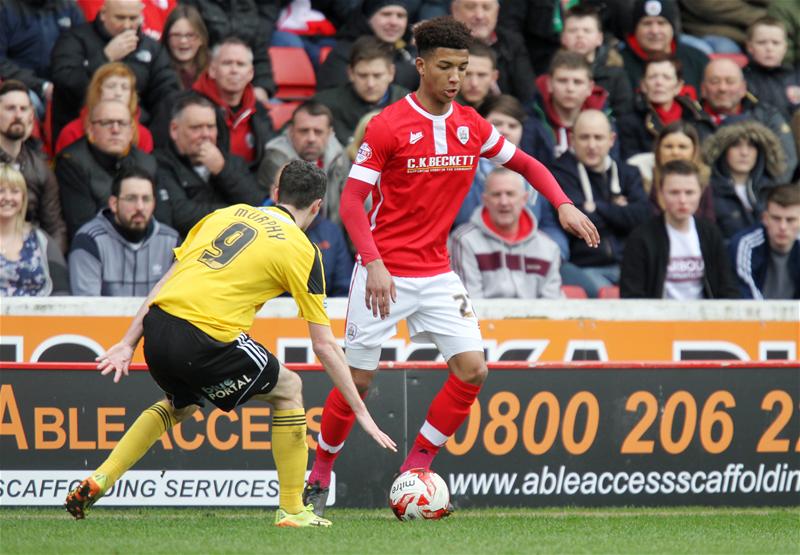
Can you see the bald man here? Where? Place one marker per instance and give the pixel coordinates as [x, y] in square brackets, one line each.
[610, 193]
[114, 36]
[725, 99]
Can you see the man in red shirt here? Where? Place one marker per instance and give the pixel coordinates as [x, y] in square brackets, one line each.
[418, 160]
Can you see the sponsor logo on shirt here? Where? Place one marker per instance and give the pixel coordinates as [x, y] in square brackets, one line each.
[364, 153]
[440, 163]
[689, 268]
[414, 138]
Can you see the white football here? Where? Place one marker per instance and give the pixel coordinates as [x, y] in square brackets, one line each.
[419, 494]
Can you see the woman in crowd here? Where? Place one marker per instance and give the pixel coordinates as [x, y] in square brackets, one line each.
[31, 264]
[677, 141]
[746, 158]
[662, 100]
[186, 39]
[112, 81]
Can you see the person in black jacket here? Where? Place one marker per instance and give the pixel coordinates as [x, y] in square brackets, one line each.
[194, 176]
[675, 255]
[385, 19]
[85, 169]
[28, 31]
[114, 36]
[515, 70]
[252, 21]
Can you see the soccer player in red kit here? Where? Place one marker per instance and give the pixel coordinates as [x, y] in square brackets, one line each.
[417, 160]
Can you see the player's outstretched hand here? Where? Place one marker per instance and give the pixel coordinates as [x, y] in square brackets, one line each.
[117, 359]
[369, 425]
[380, 289]
[577, 223]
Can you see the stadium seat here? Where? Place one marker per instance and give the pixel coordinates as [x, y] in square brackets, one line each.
[574, 292]
[608, 292]
[293, 73]
[281, 112]
[740, 59]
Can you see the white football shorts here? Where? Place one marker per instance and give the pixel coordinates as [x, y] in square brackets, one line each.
[436, 309]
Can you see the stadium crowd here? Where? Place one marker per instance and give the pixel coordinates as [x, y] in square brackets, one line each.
[676, 131]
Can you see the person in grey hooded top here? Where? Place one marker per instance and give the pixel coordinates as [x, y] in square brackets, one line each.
[123, 251]
[500, 253]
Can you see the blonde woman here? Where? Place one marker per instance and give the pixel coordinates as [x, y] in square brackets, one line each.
[31, 264]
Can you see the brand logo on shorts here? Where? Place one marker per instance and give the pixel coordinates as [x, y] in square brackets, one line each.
[352, 331]
[463, 134]
[364, 153]
[227, 387]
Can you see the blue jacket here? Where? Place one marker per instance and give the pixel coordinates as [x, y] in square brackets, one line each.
[749, 253]
[28, 31]
[336, 258]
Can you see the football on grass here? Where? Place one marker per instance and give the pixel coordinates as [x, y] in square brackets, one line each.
[419, 494]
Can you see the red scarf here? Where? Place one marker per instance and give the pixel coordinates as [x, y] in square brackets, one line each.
[524, 229]
[674, 113]
[640, 53]
[717, 117]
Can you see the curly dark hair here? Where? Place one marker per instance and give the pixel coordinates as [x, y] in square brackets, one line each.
[441, 32]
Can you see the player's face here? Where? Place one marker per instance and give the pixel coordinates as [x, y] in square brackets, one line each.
[478, 79]
[16, 115]
[660, 83]
[443, 72]
[371, 78]
[768, 45]
[741, 156]
[675, 146]
[592, 140]
[232, 68]
[723, 85]
[654, 34]
[309, 135]
[110, 128]
[389, 23]
[479, 15]
[508, 127]
[116, 87]
[121, 15]
[783, 225]
[581, 35]
[681, 196]
[570, 87]
[195, 126]
[504, 197]
[134, 206]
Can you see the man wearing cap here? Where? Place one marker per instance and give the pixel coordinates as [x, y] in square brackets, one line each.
[656, 26]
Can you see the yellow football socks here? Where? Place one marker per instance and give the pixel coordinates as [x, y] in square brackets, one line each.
[153, 422]
[290, 450]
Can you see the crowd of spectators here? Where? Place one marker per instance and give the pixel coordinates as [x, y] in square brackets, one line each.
[673, 124]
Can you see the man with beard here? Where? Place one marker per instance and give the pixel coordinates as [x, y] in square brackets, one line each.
[16, 122]
[123, 251]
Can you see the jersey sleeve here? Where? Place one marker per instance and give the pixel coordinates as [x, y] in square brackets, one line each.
[306, 283]
[181, 250]
[493, 145]
[374, 151]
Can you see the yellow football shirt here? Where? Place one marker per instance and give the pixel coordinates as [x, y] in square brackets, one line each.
[236, 259]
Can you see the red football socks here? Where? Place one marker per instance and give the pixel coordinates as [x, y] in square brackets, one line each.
[447, 412]
[337, 421]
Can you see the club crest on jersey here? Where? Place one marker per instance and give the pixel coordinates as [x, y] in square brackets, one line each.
[463, 134]
[364, 153]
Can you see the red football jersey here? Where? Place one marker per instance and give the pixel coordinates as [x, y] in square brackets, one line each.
[421, 167]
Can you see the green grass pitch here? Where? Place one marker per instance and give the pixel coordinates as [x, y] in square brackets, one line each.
[489, 531]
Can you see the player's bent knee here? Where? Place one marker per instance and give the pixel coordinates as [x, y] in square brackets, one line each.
[183, 413]
[362, 379]
[469, 367]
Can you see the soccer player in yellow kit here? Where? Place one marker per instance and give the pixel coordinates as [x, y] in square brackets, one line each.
[194, 325]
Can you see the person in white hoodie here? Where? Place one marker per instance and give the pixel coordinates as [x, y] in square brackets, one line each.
[500, 252]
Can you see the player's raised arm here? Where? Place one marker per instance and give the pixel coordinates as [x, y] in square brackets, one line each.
[571, 219]
[118, 357]
[332, 357]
